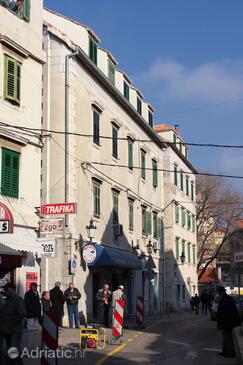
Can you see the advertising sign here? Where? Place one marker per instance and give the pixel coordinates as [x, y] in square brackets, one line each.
[48, 247]
[89, 253]
[51, 226]
[73, 266]
[31, 277]
[238, 256]
[6, 219]
[54, 209]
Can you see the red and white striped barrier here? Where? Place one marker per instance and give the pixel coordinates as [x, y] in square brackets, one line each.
[140, 310]
[49, 339]
[117, 326]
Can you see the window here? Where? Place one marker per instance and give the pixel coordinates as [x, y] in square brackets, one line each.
[183, 245]
[177, 213]
[96, 127]
[177, 248]
[111, 72]
[187, 185]
[139, 105]
[182, 180]
[146, 222]
[193, 224]
[10, 173]
[21, 8]
[12, 79]
[114, 141]
[96, 199]
[93, 50]
[175, 174]
[174, 138]
[188, 220]
[150, 118]
[143, 164]
[126, 90]
[194, 255]
[186, 152]
[189, 252]
[180, 146]
[183, 216]
[192, 190]
[131, 214]
[130, 153]
[155, 173]
[155, 226]
[115, 196]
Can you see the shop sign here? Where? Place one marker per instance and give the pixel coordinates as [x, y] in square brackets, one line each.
[31, 277]
[89, 253]
[48, 247]
[6, 219]
[54, 209]
[73, 265]
[51, 226]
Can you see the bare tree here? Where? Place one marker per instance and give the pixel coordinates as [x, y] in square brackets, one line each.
[218, 208]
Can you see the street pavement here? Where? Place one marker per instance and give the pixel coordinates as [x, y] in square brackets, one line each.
[180, 339]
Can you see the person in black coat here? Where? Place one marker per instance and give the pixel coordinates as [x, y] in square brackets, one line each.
[72, 296]
[33, 307]
[227, 318]
[58, 300]
[46, 305]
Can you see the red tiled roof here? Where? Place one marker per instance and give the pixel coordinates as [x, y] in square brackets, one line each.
[208, 277]
[163, 127]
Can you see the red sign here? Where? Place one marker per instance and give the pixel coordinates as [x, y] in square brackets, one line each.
[65, 208]
[31, 277]
[6, 219]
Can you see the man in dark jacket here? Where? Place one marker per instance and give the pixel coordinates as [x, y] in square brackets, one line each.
[103, 297]
[227, 318]
[204, 301]
[58, 300]
[72, 296]
[33, 307]
[11, 320]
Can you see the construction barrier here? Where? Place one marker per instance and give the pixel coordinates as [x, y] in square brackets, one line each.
[49, 339]
[140, 311]
[117, 322]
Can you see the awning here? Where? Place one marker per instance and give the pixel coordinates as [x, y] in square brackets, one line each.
[9, 258]
[110, 256]
[23, 239]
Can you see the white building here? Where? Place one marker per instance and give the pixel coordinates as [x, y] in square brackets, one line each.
[115, 181]
[180, 220]
[21, 60]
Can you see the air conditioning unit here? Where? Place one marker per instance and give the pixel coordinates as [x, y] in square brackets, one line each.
[118, 230]
[156, 245]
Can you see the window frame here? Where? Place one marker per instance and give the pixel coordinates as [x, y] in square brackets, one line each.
[177, 213]
[177, 248]
[96, 198]
[130, 214]
[126, 90]
[14, 78]
[139, 105]
[187, 186]
[115, 207]
[150, 118]
[111, 74]
[175, 174]
[115, 130]
[192, 191]
[181, 180]
[155, 173]
[13, 174]
[188, 252]
[93, 52]
[96, 127]
[130, 153]
[143, 164]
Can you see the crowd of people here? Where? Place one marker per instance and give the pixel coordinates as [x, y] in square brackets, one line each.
[206, 301]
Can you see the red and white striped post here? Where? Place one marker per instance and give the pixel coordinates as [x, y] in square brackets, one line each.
[49, 340]
[140, 311]
[117, 323]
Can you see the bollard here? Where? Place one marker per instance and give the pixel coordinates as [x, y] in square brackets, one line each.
[117, 323]
[49, 340]
[140, 311]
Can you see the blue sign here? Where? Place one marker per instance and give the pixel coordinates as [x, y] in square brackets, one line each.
[73, 264]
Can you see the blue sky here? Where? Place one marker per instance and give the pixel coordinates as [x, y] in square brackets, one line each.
[182, 55]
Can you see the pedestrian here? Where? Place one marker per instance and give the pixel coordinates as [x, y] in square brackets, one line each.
[196, 301]
[12, 317]
[192, 303]
[227, 318]
[118, 295]
[72, 296]
[210, 301]
[103, 297]
[46, 305]
[204, 301]
[58, 300]
[33, 307]
[2, 345]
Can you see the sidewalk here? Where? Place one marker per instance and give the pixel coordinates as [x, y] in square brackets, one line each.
[238, 337]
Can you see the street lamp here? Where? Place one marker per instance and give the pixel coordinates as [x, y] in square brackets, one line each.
[91, 229]
[182, 257]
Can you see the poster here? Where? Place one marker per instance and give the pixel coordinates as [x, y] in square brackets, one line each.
[31, 277]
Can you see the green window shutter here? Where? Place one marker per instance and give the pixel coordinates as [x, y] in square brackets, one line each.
[143, 164]
[139, 105]
[148, 223]
[18, 82]
[183, 217]
[126, 90]
[26, 10]
[177, 213]
[10, 173]
[155, 173]
[182, 180]
[183, 246]
[175, 175]
[193, 224]
[9, 77]
[131, 215]
[111, 72]
[177, 248]
[115, 209]
[189, 252]
[93, 51]
[114, 142]
[192, 191]
[144, 221]
[96, 127]
[194, 255]
[96, 200]
[174, 138]
[150, 118]
[188, 220]
[130, 154]
[187, 186]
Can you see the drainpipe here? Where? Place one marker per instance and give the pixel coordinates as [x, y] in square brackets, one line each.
[66, 143]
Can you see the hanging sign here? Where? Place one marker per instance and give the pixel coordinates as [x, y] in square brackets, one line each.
[89, 253]
[51, 226]
[48, 247]
[6, 219]
[238, 256]
[54, 209]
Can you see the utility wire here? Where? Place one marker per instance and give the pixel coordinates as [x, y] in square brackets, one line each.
[41, 130]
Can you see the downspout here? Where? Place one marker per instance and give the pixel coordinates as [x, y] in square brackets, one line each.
[66, 143]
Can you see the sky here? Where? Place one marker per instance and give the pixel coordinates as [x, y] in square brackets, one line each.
[186, 57]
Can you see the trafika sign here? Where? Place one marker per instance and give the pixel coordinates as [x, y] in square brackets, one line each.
[238, 256]
[6, 219]
[63, 208]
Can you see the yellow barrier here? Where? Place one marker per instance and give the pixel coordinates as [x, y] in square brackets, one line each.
[92, 337]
